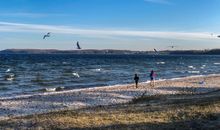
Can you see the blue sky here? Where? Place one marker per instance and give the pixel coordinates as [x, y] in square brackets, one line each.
[110, 24]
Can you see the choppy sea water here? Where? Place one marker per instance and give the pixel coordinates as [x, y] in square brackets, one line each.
[27, 73]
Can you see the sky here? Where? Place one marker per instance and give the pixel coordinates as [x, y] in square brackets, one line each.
[110, 24]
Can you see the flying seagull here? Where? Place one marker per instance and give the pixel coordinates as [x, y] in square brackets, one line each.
[47, 35]
[78, 46]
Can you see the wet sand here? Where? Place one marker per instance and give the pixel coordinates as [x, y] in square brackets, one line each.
[81, 98]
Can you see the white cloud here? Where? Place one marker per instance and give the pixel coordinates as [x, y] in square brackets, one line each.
[29, 15]
[36, 28]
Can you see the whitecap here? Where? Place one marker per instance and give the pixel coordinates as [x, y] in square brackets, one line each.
[59, 88]
[10, 77]
[50, 89]
[191, 67]
[64, 63]
[216, 63]
[75, 74]
[194, 72]
[8, 70]
[203, 66]
[97, 70]
[161, 63]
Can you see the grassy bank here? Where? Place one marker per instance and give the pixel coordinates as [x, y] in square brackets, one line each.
[148, 112]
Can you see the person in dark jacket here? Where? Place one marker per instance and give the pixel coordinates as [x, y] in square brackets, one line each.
[136, 79]
[152, 78]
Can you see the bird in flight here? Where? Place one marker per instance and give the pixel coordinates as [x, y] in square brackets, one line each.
[78, 46]
[46, 35]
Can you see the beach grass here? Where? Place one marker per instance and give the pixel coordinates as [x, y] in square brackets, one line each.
[181, 111]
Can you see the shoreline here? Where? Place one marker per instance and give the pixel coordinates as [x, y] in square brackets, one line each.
[107, 95]
[99, 87]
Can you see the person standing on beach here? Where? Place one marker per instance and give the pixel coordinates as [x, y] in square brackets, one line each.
[136, 79]
[152, 78]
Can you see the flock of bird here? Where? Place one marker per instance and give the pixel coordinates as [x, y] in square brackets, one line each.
[78, 46]
[49, 34]
[10, 76]
[218, 36]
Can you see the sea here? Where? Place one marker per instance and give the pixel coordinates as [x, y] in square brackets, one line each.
[22, 74]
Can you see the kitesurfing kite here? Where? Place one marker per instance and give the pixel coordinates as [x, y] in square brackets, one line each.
[47, 35]
[78, 46]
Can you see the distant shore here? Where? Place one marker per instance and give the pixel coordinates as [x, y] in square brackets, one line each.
[111, 51]
[82, 98]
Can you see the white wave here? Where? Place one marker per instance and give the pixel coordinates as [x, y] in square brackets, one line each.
[64, 63]
[50, 89]
[54, 89]
[94, 88]
[8, 70]
[191, 67]
[97, 70]
[147, 82]
[160, 80]
[216, 63]
[60, 88]
[203, 67]
[194, 72]
[75, 74]
[161, 63]
[193, 76]
[10, 77]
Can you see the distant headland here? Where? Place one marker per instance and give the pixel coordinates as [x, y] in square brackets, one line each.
[111, 51]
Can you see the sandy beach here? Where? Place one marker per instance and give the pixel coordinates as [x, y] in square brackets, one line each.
[81, 98]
